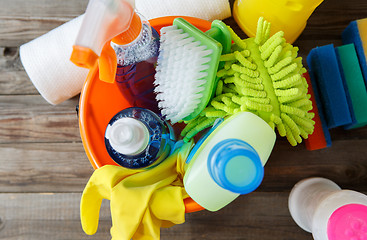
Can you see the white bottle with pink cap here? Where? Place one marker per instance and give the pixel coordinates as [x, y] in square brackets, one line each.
[320, 206]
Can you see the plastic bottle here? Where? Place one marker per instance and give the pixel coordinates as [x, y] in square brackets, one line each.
[320, 206]
[138, 138]
[136, 67]
[228, 161]
[126, 47]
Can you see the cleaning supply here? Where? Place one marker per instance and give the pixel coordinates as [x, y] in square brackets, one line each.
[100, 101]
[46, 61]
[320, 206]
[354, 85]
[356, 33]
[136, 66]
[187, 66]
[320, 138]
[141, 202]
[229, 160]
[138, 138]
[125, 46]
[262, 75]
[323, 64]
[289, 16]
[209, 10]
[103, 20]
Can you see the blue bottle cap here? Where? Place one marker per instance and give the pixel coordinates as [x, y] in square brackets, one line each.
[235, 165]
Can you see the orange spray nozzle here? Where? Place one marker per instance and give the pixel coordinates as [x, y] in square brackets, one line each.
[103, 21]
[108, 59]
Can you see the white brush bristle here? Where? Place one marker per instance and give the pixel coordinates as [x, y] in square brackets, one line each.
[180, 73]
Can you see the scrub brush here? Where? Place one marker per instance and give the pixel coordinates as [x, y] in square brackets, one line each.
[186, 69]
[262, 75]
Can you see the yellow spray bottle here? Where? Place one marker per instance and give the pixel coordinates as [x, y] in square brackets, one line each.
[289, 16]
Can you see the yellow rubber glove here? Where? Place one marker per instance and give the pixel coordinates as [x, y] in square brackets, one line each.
[141, 201]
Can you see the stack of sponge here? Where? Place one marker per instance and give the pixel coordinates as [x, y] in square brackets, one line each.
[338, 79]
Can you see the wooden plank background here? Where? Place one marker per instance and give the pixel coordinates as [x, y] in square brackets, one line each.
[43, 167]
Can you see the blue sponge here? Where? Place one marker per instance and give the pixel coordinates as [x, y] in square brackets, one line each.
[322, 62]
[352, 34]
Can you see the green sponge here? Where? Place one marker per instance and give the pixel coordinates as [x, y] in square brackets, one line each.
[354, 84]
[262, 75]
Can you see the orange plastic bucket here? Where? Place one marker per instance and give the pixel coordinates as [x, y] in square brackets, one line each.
[100, 101]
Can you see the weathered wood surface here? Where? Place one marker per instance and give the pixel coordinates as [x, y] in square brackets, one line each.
[43, 166]
[57, 217]
[22, 21]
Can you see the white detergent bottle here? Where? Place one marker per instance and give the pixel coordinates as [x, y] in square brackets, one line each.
[228, 161]
[320, 206]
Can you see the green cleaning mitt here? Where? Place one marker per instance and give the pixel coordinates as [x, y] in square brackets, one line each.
[262, 75]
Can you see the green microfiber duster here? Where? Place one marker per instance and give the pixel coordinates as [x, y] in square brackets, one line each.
[262, 75]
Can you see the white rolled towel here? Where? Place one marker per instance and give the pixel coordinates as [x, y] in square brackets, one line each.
[204, 9]
[46, 61]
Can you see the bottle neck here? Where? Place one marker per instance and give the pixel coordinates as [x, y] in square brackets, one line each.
[128, 136]
[132, 33]
[144, 47]
[235, 165]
